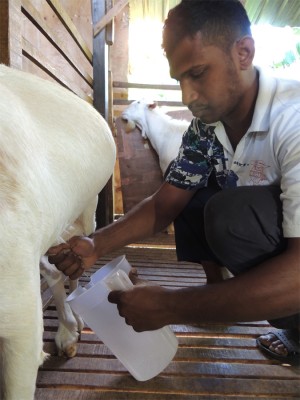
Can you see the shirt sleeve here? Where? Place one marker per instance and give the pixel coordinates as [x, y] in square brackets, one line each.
[288, 153]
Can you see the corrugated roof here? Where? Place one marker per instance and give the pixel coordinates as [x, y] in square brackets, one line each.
[274, 12]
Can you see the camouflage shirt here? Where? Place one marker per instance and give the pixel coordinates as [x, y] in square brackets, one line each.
[199, 155]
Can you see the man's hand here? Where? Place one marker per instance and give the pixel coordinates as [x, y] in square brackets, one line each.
[145, 308]
[73, 257]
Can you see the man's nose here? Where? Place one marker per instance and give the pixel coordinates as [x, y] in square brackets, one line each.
[189, 94]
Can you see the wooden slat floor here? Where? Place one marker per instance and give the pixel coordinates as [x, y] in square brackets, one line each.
[217, 362]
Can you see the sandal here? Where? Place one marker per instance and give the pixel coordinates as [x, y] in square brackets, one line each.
[290, 339]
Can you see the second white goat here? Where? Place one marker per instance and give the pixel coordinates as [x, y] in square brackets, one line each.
[164, 132]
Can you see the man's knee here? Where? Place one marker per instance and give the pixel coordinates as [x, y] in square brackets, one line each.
[225, 214]
[243, 225]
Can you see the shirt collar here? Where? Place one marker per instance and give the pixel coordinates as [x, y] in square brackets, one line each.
[266, 90]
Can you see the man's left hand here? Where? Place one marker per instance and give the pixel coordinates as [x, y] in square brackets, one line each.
[143, 307]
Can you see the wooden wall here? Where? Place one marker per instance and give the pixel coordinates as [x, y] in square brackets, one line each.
[51, 39]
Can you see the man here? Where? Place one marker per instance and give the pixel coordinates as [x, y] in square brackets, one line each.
[233, 192]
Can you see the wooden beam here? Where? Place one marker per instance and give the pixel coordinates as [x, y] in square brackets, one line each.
[126, 85]
[123, 102]
[4, 42]
[109, 16]
[15, 32]
[109, 30]
[104, 212]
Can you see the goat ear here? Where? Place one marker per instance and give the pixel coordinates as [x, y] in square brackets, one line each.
[152, 105]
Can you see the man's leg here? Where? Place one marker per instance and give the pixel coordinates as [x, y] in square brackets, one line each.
[190, 238]
[242, 229]
[247, 233]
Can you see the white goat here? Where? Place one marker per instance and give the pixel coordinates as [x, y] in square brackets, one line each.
[56, 154]
[165, 133]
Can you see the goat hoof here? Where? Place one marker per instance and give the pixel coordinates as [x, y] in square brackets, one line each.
[68, 352]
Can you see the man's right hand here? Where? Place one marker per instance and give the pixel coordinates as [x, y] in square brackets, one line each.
[73, 257]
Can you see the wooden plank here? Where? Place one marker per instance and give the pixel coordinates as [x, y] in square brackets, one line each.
[189, 368]
[118, 197]
[199, 353]
[15, 34]
[122, 102]
[63, 73]
[209, 330]
[167, 384]
[100, 63]
[64, 17]
[109, 16]
[131, 85]
[104, 213]
[110, 101]
[207, 339]
[80, 13]
[110, 27]
[53, 394]
[61, 41]
[4, 43]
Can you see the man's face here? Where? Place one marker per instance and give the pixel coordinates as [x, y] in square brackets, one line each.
[209, 79]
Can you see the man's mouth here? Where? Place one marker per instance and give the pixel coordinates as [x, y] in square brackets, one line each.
[197, 109]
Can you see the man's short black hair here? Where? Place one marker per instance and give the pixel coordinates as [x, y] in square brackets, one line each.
[221, 23]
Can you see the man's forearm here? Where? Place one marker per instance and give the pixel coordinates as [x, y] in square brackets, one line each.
[270, 290]
[139, 223]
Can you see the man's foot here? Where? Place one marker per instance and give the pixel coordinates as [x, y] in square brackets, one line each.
[282, 345]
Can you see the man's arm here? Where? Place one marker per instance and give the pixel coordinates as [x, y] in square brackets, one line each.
[269, 290]
[145, 219]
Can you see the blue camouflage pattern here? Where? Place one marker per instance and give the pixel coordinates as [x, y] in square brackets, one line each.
[200, 154]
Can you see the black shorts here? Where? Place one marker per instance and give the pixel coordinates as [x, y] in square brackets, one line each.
[238, 227]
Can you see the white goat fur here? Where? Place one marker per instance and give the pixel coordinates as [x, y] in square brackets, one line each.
[164, 132]
[56, 154]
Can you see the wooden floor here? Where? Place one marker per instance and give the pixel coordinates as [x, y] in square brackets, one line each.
[212, 361]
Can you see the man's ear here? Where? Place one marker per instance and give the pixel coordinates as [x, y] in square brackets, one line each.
[245, 51]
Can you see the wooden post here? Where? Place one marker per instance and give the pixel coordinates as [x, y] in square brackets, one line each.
[4, 45]
[104, 214]
[105, 19]
[11, 33]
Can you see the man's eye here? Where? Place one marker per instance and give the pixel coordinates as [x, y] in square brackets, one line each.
[197, 75]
